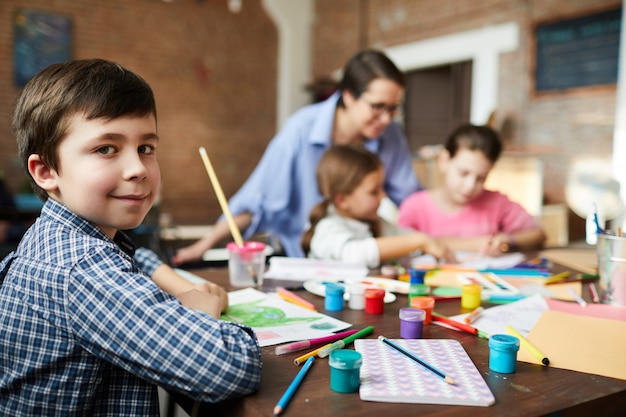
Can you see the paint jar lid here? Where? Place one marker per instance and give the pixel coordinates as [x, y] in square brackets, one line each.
[334, 289]
[422, 302]
[504, 342]
[416, 276]
[357, 289]
[345, 359]
[471, 288]
[374, 293]
[412, 314]
[248, 247]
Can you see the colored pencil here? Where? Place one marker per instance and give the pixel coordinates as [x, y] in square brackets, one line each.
[594, 293]
[413, 357]
[528, 346]
[294, 299]
[340, 344]
[474, 315]
[306, 356]
[284, 400]
[579, 300]
[305, 344]
[461, 326]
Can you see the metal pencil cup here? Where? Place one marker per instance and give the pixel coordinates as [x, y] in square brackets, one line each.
[611, 252]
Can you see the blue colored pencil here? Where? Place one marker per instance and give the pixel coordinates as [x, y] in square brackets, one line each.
[416, 359]
[284, 400]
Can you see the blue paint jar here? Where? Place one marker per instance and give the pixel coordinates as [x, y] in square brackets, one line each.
[334, 297]
[503, 353]
[345, 365]
[411, 323]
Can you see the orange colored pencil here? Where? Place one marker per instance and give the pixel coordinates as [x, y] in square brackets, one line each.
[294, 299]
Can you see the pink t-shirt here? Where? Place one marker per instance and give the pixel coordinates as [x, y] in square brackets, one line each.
[490, 213]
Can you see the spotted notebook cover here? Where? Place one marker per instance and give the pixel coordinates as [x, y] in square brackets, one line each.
[389, 376]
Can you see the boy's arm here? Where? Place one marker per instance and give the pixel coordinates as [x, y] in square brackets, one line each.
[204, 296]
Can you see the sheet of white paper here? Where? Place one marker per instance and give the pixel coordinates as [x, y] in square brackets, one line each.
[521, 315]
[277, 321]
[303, 269]
[477, 261]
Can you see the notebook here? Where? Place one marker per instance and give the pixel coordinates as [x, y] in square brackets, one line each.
[389, 376]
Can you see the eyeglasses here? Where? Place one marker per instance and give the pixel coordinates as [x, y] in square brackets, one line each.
[380, 108]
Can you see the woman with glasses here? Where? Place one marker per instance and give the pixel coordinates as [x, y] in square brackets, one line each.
[279, 194]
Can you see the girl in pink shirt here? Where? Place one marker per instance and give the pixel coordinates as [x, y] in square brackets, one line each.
[461, 213]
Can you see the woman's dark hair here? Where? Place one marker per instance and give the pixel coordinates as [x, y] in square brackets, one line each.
[475, 138]
[363, 68]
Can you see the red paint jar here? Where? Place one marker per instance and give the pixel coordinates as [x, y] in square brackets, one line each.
[374, 301]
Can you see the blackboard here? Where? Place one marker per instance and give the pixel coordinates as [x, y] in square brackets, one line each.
[578, 52]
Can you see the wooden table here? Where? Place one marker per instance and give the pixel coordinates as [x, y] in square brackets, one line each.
[532, 390]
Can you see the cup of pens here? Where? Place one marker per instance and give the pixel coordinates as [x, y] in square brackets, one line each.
[611, 252]
[246, 264]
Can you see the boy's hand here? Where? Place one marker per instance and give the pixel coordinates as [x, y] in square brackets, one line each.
[207, 297]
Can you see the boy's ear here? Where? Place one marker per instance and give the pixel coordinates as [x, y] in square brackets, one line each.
[44, 176]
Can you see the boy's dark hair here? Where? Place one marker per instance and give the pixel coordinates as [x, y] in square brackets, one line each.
[475, 138]
[95, 88]
[365, 67]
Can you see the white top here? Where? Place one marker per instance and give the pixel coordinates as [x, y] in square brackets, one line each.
[344, 239]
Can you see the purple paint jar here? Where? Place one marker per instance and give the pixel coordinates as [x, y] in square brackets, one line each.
[411, 323]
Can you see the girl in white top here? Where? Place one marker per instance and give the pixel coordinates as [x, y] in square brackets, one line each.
[345, 225]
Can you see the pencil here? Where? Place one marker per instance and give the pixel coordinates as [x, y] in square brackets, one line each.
[554, 279]
[305, 344]
[528, 346]
[410, 355]
[294, 299]
[284, 400]
[306, 356]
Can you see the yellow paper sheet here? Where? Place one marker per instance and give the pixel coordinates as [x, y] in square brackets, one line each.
[583, 260]
[579, 343]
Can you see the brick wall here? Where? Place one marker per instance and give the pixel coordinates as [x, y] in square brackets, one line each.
[213, 73]
[556, 127]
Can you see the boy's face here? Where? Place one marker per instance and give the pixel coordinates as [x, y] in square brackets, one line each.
[108, 173]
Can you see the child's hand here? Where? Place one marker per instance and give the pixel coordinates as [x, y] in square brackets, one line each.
[440, 251]
[496, 245]
[207, 297]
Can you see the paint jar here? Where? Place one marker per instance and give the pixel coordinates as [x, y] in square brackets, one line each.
[374, 301]
[357, 296]
[334, 297]
[411, 323]
[417, 276]
[424, 303]
[246, 264]
[611, 252]
[503, 353]
[470, 296]
[417, 288]
[345, 365]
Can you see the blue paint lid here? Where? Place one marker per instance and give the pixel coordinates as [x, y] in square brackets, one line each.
[504, 342]
[334, 289]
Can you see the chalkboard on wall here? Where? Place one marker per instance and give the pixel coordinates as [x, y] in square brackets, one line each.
[578, 52]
